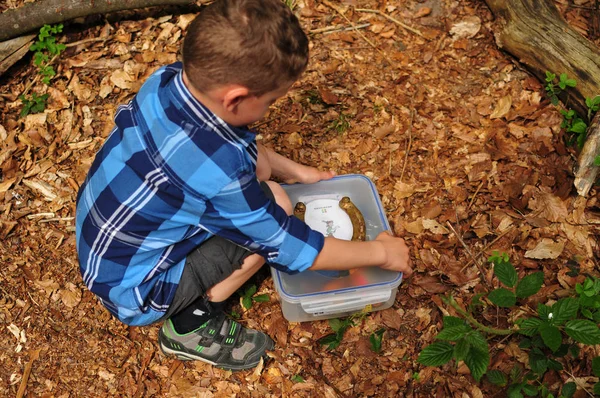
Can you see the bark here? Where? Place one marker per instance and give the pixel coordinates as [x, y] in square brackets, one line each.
[534, 32]
[32, 16]
[13, 50]
[586, 172]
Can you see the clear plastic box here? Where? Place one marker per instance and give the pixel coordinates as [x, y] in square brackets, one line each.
[314, 295]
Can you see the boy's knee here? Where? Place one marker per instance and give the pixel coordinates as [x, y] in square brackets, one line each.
[281, 197]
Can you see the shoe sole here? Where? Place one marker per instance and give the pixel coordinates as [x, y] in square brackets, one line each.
[182, 356]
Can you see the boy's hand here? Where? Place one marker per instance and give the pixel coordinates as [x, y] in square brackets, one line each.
[397, 254]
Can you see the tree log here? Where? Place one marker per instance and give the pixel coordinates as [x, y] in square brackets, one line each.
[534, 32]
[32, 16]
[13, 50]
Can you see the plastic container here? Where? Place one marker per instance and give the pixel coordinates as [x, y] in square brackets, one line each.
[315, 295]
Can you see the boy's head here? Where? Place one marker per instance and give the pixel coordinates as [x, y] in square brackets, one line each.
[258, 44]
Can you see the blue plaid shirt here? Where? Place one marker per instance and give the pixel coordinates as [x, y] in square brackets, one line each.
[170, 176]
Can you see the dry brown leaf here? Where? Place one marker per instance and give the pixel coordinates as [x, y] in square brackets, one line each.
[121, 79]
[502, 107]
[546, 248]
[415, 227]
[391, 318]
[328, 97]
[549, 206]
[430, 284]
[435, 227]
[403, 190]
[468, 27]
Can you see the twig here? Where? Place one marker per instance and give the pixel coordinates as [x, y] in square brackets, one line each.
[475, 195]
[35, 354]
[328, 4]
[339, 28]
[470, 254]
[501, 332]
[37, 77]
[579, 384]
[405, 26]
[488, 246]
[409, 146]
[84, 41]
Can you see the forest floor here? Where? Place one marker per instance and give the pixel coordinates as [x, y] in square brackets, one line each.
[464, 148]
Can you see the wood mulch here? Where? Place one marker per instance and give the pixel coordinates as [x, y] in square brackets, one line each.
[466, 152]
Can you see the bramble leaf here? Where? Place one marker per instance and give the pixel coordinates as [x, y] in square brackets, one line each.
[568, 389]
[564, 310]
[583, 331]
[496, 377]
[529, 326]
[506, 273]
[461, 348]
[530, 285]
[502, 297]
[436, 354]
[551, 336]
[453, 333]
[596, 366]
[477, 361]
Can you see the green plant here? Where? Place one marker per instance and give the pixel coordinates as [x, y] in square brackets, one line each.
[554, 89]
[46, 47]
[548, 336]
[297, 379]
[376, 338]
[248, 297]
[339, 327]
[46, 51]
[340, 124]
[574, 125]
[35, 104]
[592, 104]
[291, 4]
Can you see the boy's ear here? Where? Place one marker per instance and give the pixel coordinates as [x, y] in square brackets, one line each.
[233, 96]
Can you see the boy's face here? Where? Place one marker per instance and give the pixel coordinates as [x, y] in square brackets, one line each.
[251, 109]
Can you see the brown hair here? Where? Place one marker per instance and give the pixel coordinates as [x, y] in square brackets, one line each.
[255, 43]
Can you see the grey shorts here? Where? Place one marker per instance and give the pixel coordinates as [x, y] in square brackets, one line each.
[208, 264]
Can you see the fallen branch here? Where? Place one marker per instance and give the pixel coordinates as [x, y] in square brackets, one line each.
[394, 20]
[35, 354]
[331, 29]
[33, 16]
[479, 266]
[333, 7]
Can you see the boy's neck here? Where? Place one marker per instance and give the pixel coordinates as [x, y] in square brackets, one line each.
[212, 102]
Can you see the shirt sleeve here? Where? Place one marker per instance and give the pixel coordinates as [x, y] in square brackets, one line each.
[242, 213]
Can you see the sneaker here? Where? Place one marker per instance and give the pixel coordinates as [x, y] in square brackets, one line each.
[220, 341]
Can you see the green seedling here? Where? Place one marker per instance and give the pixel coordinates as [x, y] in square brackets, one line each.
[341, 124]
[376, 338]
[553, 333]
[249, 297]
[46, 51]
[297, 379]
[593, 104]
[34, 104]
[554, 89]
[339, 327]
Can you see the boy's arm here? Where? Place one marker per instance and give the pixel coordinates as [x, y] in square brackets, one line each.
[386, 251]
[271, 164]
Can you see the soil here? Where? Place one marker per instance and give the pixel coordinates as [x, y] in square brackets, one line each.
[465, 150]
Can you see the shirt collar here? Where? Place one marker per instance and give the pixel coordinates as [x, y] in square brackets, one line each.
[200, 114]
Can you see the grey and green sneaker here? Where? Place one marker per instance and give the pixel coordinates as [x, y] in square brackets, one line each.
[220, 341]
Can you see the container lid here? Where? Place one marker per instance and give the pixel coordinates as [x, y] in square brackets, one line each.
[323, 214]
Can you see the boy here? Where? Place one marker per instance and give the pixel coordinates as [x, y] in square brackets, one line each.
[172, 218]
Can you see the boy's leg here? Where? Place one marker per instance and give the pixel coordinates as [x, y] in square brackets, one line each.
[196, 327]
[252, 263]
